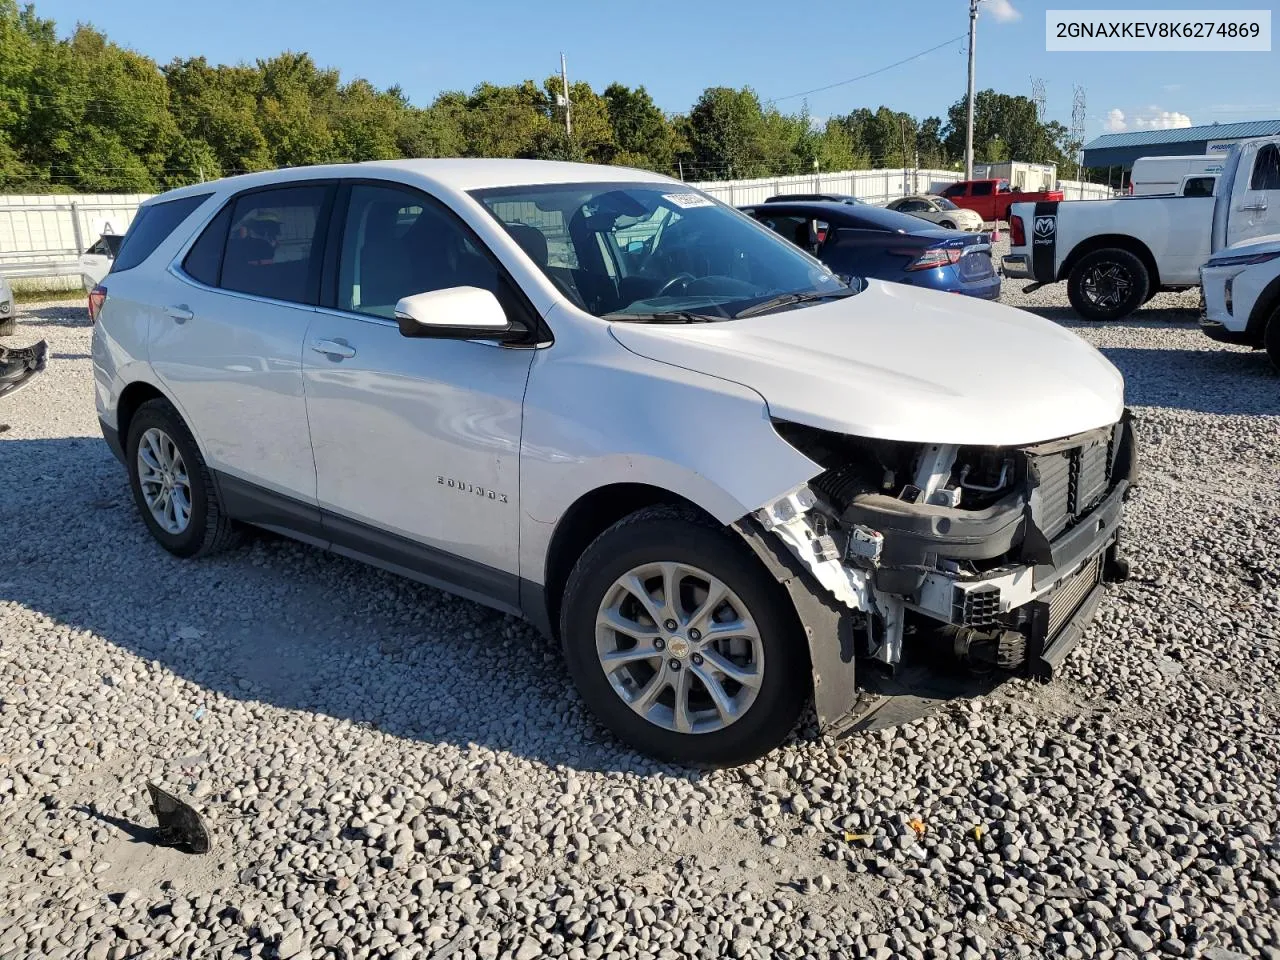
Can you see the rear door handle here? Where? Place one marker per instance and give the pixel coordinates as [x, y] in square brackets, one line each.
[1259, 206]
[334, 348]
[180, 312]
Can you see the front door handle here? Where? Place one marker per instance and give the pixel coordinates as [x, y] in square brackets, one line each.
[179, 312]
[1259, 206]
[335, 349]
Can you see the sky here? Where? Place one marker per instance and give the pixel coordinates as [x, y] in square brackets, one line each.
[676, 49]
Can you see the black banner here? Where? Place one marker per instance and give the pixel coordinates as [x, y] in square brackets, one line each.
[1043, 229]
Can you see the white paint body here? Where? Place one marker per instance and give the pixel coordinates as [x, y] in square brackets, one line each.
[373, 436]
[1156, 175]
[1248, 281]
[1176, 230]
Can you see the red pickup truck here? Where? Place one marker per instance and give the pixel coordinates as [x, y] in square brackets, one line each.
[992, 198]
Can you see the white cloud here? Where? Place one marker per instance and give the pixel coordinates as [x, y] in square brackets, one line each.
[1153, 118]
[1162, 120]
[1003, 10]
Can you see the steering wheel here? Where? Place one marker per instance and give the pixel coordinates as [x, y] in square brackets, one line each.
[685, 277]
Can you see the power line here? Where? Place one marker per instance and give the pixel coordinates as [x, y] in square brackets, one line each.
[871, 73]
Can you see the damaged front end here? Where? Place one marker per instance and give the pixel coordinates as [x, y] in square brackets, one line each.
[902, 555]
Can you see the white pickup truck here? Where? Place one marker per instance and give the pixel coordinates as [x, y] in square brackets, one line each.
[1115, 255]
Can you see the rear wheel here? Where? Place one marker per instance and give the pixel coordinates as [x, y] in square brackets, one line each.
[1108, 284]
[681, 643]
[172, 486]
[1271, 339]
[8, 326]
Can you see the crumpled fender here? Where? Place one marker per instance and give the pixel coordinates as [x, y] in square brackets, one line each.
[828, 627]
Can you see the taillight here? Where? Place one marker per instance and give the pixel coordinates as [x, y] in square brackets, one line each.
[1017, 232]
[936, 257]
[97, 297]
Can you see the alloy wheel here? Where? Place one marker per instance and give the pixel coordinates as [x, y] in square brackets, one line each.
[679, 647]
[1107, 285]
[162, 475]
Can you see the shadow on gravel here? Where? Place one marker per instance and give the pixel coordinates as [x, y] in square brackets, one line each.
[1229, 381]
[1153, 318]
[72, 315]
[284, 624]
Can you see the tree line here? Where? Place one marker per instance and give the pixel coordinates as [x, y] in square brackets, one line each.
[83, 113]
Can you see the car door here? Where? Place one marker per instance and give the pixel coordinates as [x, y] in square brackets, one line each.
[229, 343]
[1255, 199]
[416, 440]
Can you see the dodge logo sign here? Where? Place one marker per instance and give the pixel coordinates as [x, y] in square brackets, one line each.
[1045, 226]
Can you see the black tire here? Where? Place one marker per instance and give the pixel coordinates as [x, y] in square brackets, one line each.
[209, 530]
[1122, 269]
[947, 225]
[8, 326]
[666, 534]
[1271, 339]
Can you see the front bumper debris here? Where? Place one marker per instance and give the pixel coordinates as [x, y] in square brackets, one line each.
[1008, 588]
[19, 365]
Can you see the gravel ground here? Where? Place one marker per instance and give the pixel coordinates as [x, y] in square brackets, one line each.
[392, 772]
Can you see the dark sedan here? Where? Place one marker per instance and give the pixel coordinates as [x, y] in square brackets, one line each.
[867, 241]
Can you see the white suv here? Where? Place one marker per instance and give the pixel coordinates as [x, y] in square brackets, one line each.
[722, 476]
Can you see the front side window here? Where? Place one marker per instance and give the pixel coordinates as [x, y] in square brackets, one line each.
[942, 203]
[641, 251]
[1266, 169]
[270, 248]
[151, 227]
[397, 243]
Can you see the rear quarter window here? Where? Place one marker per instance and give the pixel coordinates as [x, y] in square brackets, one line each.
[151, 227]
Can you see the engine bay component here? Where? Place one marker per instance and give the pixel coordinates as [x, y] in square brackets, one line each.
[788, 517]
[19, 364]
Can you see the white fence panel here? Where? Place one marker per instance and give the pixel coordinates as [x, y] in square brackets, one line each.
[874, 186]
[1079, 190]
[44, 235]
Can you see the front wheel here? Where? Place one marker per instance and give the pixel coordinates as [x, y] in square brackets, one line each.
[1108, 284]
[947, 225]
[681, 643]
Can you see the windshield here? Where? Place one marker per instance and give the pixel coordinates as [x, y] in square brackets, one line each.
[945, 204]
[639, 251]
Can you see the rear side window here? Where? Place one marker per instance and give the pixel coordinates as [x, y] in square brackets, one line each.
[204, 259]
[1266, 169]
[955, 190]
[982, 189]
[271, 249]
[1198, 187]
[150, 228]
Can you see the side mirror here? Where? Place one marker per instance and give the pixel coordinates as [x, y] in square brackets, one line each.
[457, 313]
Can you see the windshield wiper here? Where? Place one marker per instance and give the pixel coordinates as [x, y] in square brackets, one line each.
[672, 316]
[786, 299]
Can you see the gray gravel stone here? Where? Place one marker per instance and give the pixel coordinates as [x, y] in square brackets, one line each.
[390, 771]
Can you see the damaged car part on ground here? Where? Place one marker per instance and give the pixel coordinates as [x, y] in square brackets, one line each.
[19, 364]
[992, 558]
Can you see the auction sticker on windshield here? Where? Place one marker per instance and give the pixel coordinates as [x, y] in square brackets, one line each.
[687, 200]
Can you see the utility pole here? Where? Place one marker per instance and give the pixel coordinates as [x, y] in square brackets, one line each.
[902, 130]
[568, 123]
[968, 136]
